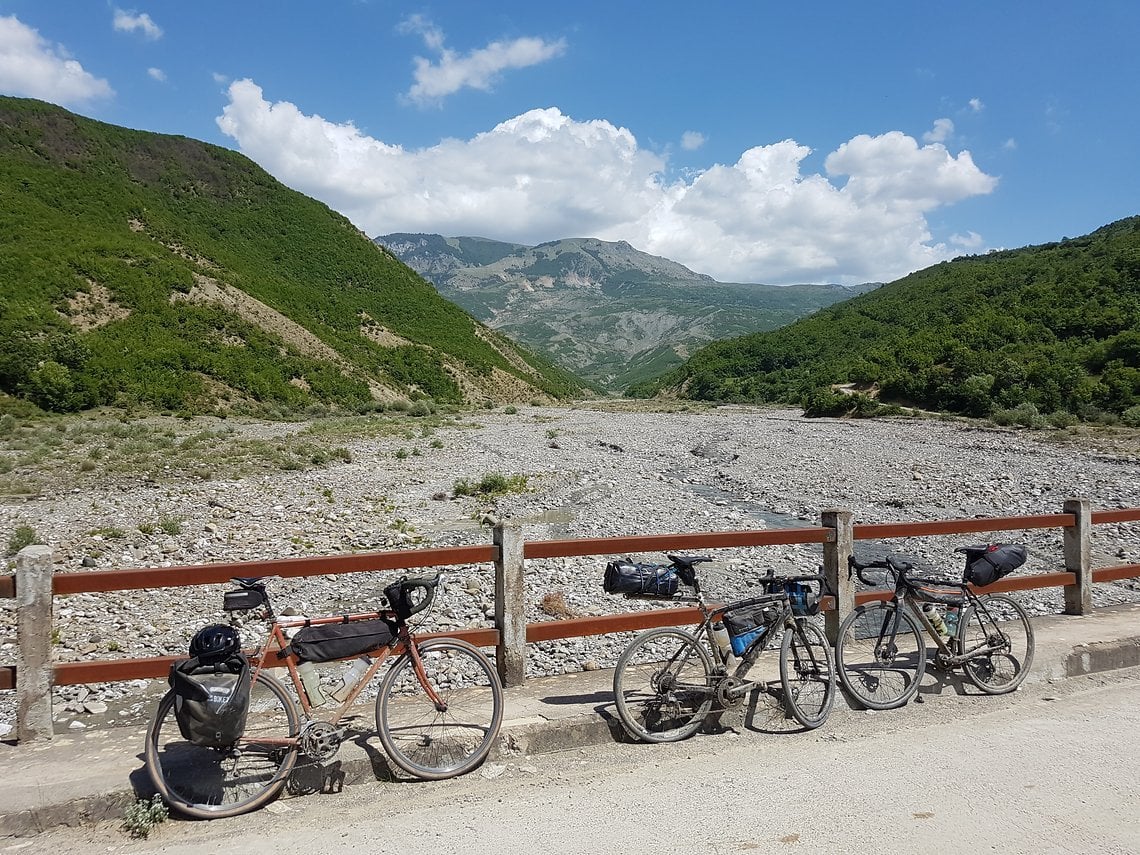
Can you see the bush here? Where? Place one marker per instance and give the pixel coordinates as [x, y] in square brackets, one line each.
[142, 816]
[24, 535]
[1131, 416]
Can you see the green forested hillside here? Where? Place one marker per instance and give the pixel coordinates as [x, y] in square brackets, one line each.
[137, 268]
[1052, 328]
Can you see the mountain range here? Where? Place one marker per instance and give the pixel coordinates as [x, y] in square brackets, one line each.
[608, 312]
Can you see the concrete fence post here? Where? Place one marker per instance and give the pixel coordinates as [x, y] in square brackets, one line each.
[1078, 560]
[836, 551]
[510, 605]
[33, 636]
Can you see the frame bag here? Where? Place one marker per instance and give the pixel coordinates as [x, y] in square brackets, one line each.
[331, 641]
[747, 623]
[988, 563]
[646, 580]
[211, 702]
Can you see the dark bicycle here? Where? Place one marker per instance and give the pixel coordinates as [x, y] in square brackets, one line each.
[881, 652]
[667, 680]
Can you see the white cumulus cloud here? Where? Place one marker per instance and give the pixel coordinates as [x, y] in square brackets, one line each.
[157, 74]
[941, 131]
[31, 67]
[692, 140]
[543, 175]
[129, 22]
[479, 69]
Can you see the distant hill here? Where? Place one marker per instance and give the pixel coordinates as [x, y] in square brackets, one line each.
[606, 311]
[1047, 330]
[143, 269]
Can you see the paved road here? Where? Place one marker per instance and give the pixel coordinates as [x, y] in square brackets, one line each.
[1054, 768]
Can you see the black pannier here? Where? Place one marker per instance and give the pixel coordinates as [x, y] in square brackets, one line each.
[985, 564]
[211, 702]
[647, 580]
[331, 641]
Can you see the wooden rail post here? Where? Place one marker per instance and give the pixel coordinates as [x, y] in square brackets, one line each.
[510, 605]
[836, 550]
[1077, 540]
[33, 637]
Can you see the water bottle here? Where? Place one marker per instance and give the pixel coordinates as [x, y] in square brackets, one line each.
[935, 618]
[311, 680]
[352, 673]
[723, 642]
[952, 622]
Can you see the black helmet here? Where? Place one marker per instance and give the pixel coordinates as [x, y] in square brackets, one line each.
[214, 643]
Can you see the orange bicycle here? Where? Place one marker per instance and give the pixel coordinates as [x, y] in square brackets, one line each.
[438, 710]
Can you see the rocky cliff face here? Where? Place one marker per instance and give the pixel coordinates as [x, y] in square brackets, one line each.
[608, 312]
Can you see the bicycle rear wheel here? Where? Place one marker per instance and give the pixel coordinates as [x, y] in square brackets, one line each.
[878, 672]
[1001, 627]
[433, 741]
[211, 783]
[807, 673]
[663, 685]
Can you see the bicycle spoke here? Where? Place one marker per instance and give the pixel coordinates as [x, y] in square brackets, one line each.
[662, 686]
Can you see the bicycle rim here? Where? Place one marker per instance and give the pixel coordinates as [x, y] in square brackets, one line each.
[663, 686]
[210, 783]
[807, 673]
[877, 674]
[436, 743]
[1001, 626]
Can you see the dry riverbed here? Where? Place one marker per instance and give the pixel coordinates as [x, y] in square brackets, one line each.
[105, 493]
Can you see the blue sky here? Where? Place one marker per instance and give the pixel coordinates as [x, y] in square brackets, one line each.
[752, 141]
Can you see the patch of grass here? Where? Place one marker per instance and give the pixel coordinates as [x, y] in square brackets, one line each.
[170, 525]
[492, 484]
[24, 535]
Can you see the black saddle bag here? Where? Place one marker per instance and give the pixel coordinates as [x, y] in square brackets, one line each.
[988, 563]
[645, 580]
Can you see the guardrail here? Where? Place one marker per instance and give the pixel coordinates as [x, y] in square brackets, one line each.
[34, 585]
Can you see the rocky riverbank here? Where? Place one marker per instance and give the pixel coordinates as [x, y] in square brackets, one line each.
[590, 471]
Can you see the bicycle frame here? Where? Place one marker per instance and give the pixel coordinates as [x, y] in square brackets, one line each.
[905, 595]
[277, 644]
[786, 620]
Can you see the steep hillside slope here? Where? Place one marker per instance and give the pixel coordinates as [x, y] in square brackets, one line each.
[1052, 328]
[605, 310]
[137, 268]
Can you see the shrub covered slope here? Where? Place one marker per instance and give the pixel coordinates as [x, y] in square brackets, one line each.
[1051, 329]
[143, 269]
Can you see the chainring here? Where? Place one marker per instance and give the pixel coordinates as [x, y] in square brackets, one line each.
[320, 741]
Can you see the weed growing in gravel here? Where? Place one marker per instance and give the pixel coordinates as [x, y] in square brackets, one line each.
[492, 484]
[141, 817]
[554, 604]
[24, 535]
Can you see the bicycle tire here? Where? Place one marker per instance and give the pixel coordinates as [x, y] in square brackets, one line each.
[879, 679]
[212, 783]
[807, 673]
[1004, 669]
[432, 743]
[649, 703]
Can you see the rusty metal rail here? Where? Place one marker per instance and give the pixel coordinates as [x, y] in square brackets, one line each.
[104, 581]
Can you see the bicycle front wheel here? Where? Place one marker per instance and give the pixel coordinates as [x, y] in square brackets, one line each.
[211, 783]
[663, 685]
[807, 673]
[440, 740]
[879, 671]
[1000, 630]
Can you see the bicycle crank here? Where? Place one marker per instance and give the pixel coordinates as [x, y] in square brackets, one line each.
[320, 741]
